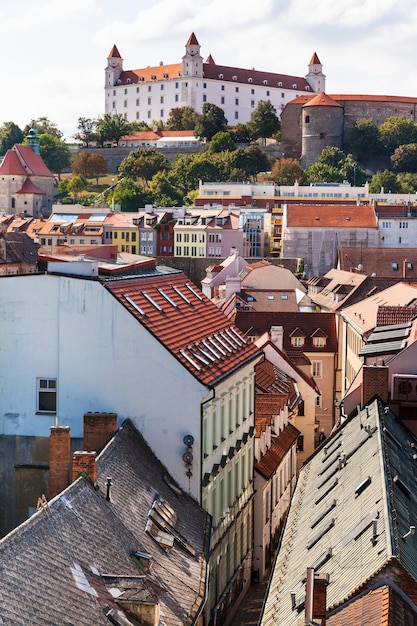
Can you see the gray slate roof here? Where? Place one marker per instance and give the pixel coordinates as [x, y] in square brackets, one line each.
[366, 471]
[69, 561]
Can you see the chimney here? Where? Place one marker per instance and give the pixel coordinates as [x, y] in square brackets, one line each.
[59, 459]
[316, 596]
[84, 462]
[374, 383]
[405, 268]
[277, 336]
[232, 286]
[98, 429]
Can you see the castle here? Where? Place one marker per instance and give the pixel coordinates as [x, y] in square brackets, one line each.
[312, 122]
[150, 93]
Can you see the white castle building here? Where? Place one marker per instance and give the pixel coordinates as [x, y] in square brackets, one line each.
[150, 93]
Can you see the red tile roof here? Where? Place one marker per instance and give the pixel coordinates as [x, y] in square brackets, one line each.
[331, 216]
[322, 99]
[187, 323]
[315, 60]
[30, 187]
[279, 447]
[114, 53]
[192, 40]
[20, 160]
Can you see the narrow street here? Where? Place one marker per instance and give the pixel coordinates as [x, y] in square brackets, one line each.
[250, 610]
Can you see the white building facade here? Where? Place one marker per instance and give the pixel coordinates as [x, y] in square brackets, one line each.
[149, 94]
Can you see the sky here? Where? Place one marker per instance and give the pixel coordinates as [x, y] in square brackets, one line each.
[55, 51]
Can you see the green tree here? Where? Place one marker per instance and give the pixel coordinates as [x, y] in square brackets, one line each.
[397, 131]
[182, 118]
[242, 133]
[211, 121]
[408, 182]
[404, 158]
[55, 153]
[251, 161]
[264, 121]
[143, 164]
[221, 142]
[352, 172]
[332, 166]
[164, 192]
[10, 134]
[129, 194]
[287, 172]
[76, 185]
[385, 180]
[86, 134]
[44, 127]
[364, 140]
[111, 127]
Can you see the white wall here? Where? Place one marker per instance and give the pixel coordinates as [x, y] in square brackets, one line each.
[103, 359]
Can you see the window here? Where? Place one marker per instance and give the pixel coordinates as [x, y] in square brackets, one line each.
[237, 102]
[222, 87]
[137, 89]
[46, 395]
[204, 85]
[297, 342]
[267, 93]
[162, 88]
[236, 115]
[317, 369]
[162, 99]
[318, 400]
[237, 89]
[319, 342]
[149, 100]
[125, 91]
[149, 88]
[222, 100]
[252, 92]
[403, 224]
[176, 98]
[204, 98]
[386, 224]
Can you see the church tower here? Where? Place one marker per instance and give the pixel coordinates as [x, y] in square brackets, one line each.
[114, 67]
[315, 76]
[192, 61]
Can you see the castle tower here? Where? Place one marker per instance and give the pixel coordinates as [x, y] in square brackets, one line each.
[315, 77]
[114, 67]
[321, 126]
[192, 61]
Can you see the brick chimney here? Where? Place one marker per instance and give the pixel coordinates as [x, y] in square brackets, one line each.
[374, 382]
[83, 461]
[316, 596]
[98, 429]
[59, 459]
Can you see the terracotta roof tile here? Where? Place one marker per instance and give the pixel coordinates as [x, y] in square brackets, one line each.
[279, 447]
[187, 323]
[331, 216]
[30, 187]
[322, 99]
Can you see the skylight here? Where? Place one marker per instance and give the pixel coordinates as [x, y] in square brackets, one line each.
[133, 303]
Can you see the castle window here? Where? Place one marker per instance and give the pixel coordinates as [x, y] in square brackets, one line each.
[222, 100]
[236, 89]
[221, 76]
[204, 98]
[294, 86]
[268, 93]
[204, 85]
[222, 87]
[322, 135]
[280, 84]
[307, 119]
[137, 89]
[252, 92]
[125, 91]
[234, 77]
[162, 87]
[249, 80]
[236, 115]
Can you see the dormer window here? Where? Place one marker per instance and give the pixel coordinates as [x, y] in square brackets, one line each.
[221, 76]
[319, 342]
[297, 342]
[280, 84]
[250, 80]
[294, 86]
[234, 77]
[265, 82]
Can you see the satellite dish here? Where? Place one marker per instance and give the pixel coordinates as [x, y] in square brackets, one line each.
[187, 457]
[188, 440]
